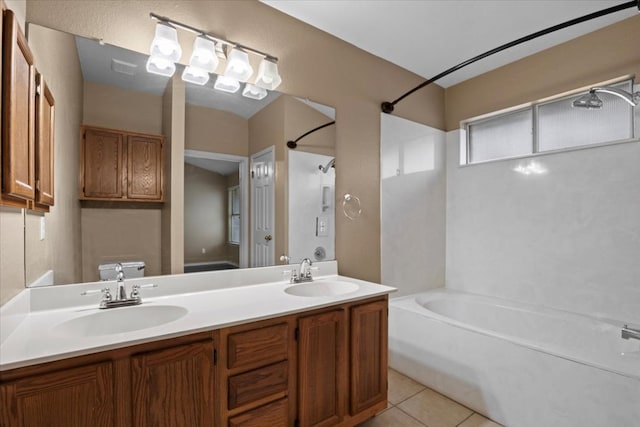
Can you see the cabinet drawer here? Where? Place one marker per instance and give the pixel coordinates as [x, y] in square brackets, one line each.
[272, 415]
[268, 344]
[259, 383]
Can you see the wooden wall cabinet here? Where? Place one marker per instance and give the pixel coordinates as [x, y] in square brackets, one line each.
[121, 166]
[27, 125]
[45, 130]
[18, 115]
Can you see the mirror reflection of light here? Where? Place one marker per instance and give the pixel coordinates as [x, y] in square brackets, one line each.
[530, 168]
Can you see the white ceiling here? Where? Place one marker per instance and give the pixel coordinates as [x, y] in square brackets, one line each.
[430, 36]
[222, 167]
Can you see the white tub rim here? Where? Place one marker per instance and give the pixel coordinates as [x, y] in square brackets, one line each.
[409, 302]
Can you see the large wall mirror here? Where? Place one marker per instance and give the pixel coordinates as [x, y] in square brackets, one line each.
[247, 199]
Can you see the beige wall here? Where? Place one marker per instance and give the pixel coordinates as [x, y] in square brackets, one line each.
[12, 278]
[112, 107]
[57, 59]
[599, 56]
[300, 119]
[116, 232]
[120, 234]
[172, 225]
[313, 64]
[216, 131]
[205, 215]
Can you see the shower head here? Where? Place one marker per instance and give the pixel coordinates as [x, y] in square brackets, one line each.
[331, 164]
[591, 100]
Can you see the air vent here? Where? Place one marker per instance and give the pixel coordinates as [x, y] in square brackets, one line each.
[123, 67]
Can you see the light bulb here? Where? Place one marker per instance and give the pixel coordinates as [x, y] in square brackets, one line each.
[195, 75]
[254, 92]
[268, 77]
[165, 43]
[238, 66]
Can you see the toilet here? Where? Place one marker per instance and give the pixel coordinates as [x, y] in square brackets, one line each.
[131, 270]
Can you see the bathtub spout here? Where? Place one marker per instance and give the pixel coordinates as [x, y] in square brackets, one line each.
[628, 332]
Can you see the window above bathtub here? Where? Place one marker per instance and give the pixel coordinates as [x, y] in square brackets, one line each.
[549, 126]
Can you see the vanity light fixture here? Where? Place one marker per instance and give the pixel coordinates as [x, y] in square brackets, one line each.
[254, 92]
[195, 75]
[160, 66]
[204, 54]
[226, 84]
[165, 43]
[207, 49]
[238, 66]
[203, 61]
[268, 77]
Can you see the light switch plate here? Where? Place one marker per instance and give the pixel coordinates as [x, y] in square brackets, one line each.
[42, 229]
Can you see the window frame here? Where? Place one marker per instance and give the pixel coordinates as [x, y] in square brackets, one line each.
[533, 107]
[231, 191]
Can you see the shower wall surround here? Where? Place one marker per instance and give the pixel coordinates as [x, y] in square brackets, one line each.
[412, 204]
[567, 236]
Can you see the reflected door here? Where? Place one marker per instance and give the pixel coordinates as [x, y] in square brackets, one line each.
[262, 208]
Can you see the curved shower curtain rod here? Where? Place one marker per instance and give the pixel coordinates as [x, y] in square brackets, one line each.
[387, 107]
[294, 144]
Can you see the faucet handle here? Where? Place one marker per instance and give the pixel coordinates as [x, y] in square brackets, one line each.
[292, 274]
[106, 294]
[136, 288]
[285, 258]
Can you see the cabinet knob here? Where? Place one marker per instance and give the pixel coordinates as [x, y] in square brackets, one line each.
[268, 237]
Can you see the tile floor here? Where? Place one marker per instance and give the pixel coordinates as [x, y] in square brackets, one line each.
[413, 405]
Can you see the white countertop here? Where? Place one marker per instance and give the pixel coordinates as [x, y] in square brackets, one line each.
[36, 338]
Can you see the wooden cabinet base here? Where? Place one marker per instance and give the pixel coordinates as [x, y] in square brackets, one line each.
[321, 368]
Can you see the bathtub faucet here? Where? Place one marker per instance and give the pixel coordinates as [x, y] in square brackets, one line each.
[628, 332]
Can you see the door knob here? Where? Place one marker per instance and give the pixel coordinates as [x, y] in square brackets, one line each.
[268, 237]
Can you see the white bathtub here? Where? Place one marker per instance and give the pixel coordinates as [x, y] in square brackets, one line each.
[518, 364]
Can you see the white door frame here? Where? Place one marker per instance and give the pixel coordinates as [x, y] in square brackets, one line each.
[244, 195]
[272, 150]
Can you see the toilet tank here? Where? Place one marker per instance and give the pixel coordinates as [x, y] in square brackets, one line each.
[131, 270]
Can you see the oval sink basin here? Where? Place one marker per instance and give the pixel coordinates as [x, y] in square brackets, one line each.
[120, 320]
[322, 289]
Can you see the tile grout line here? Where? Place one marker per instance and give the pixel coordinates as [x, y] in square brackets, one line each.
[470, 415]
[413, 395]
[411, 416]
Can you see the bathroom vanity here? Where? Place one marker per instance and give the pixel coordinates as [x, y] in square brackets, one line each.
[297, 360]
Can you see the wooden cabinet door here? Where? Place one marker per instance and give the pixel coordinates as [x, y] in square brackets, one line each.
[102, 170]
[144, 164]
[44, 142]
[368, 355]
[18, 113]
[76, 397]
[174, 387]
[322, 369]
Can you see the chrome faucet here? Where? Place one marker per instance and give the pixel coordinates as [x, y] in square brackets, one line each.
[304, 272]
[121, 293]
[628, 332]
[120, 299]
